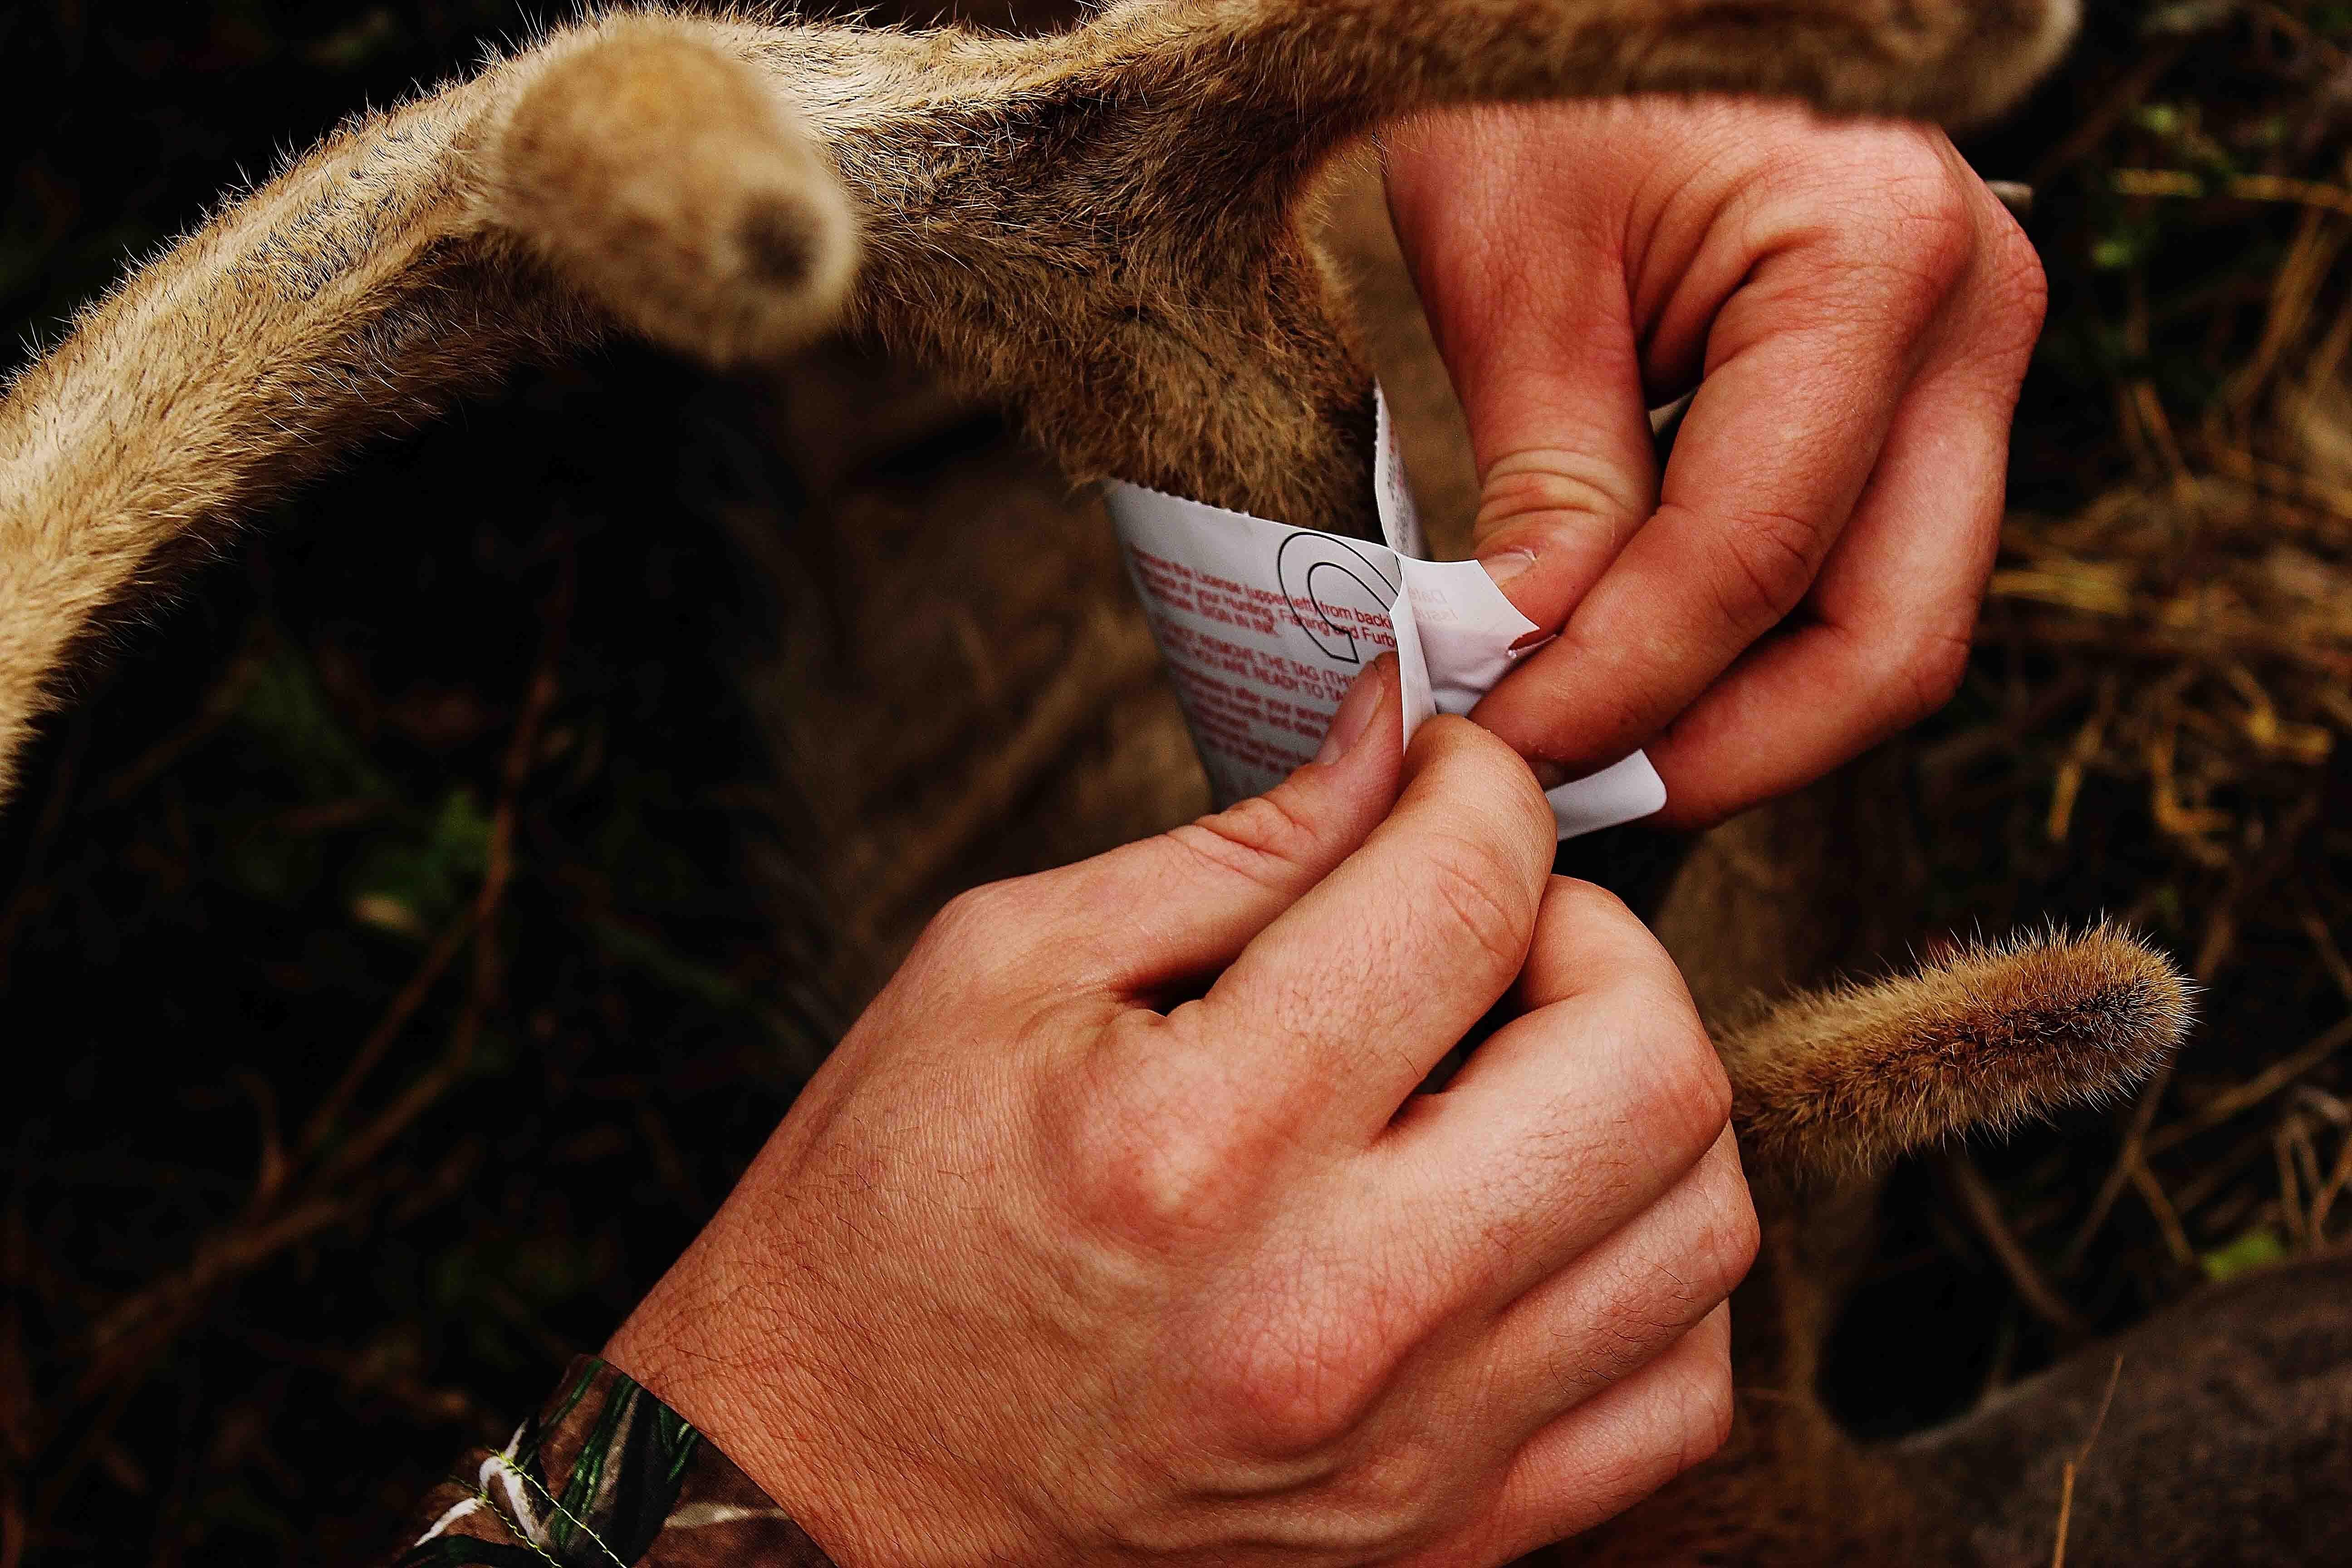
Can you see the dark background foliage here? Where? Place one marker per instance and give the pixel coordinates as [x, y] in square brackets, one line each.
[253, 1295]
[398, 954]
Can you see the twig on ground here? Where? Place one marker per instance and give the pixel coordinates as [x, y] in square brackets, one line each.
[2329, 1190]
[2323, 941]
[2316, 195]
[2140, 1142]
[280, 1214]
[2121, 97]
[220, 702]
[498, 872]
[2128, 1161]
[2281, 1074]
[396, 1016]
[1981, 1206]
[2290, 1195]
[2073, 1466]
[2168, 1219]
[2080, 755]
[1108, 656]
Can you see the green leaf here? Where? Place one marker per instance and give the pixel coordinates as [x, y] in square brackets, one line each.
[414, 883]
[2256, 1248]
[285, 709]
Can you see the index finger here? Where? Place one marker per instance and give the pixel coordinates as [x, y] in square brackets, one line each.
[1353, 993]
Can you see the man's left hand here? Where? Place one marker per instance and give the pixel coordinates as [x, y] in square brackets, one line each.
[1855, 311]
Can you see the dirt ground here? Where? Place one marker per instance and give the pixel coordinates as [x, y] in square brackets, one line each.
[405, 939]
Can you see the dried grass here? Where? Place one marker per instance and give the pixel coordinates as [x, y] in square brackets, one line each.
[197, 1350]
[2157, 716]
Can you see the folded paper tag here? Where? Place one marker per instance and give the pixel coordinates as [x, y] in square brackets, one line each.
[1264, 625]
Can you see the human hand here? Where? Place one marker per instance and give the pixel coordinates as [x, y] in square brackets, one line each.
[1855, 311]
[1052, 1265]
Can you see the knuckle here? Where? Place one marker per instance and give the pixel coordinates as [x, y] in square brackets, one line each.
[1295, 1373]
[1484, 897]
[1691, 1399]
[2017, 285]
[1166, 1182]
[1733, 1233]
[1909, 242]
[1931, 673]
[1548, 485]
[1470, 766]
[1768, 565]
[1589, 904]
[977, 931]
[1686, 1096]
[1395, 1497]
[1707, 1410]
[1937, 227]
[1260, 839]
[1928, 231]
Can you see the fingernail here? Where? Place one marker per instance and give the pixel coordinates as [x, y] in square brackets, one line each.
[1355, 715]
[1502, 568]
[1550, 775]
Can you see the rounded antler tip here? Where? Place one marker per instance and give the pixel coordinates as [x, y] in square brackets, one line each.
[671, 182]
[1985, 1036]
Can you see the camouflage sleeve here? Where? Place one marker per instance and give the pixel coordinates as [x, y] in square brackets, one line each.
[605, 1475]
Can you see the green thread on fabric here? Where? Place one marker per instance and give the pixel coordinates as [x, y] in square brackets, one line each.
[630, 1465]
[585, 1528]
[537, 1428]
[514, 1525]
[581, 1486]
[590, 1367]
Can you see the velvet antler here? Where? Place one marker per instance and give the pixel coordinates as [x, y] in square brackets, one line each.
[1100, 229]
[1838, 1082]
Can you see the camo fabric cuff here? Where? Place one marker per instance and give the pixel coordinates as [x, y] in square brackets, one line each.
[605, 1475]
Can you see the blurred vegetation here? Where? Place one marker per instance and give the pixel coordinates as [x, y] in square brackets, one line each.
[2156, 719]
[389, 956]
[397, 953]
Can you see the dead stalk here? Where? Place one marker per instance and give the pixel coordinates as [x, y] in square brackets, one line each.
[2075, 1465]
[1981, 1206]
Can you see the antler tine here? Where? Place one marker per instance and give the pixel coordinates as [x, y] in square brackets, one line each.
[1100, 230]
[391, 270]
[1103, 230]
[1837, 1082]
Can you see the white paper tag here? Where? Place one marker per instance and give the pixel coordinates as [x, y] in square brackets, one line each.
[1265, 625]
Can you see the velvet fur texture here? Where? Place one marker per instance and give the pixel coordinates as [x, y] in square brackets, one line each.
[1105, 232]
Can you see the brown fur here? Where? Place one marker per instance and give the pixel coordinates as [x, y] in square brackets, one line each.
[734, 244]
[1101, 229]
[357, 293]
[1786, 897]
[1107, 232]
[1837, 1082]
[2229, 1438]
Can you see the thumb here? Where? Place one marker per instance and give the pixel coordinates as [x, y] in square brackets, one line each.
[1183, 905]
[1532, 314]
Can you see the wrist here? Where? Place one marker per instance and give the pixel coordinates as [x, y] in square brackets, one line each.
[756, 1374]
[695, 1343]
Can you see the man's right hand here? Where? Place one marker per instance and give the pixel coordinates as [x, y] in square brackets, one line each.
[1118, 1229]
